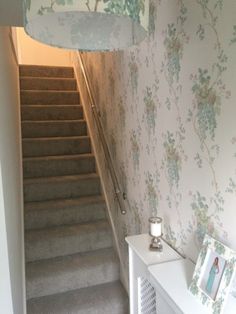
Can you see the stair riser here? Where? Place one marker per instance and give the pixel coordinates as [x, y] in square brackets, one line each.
[36, 219]
[44, 129]
[53, 147]
[42, 113]
[61, 245]
[48, 167]
[49, 98]
[35, 192]
[47, 84]
[38, 71]
[82, 278]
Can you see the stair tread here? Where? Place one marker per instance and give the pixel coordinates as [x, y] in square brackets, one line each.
[61, 187]
[48, 78]
[46, 214]
[57, 204]
[46, 70]
[52, 106]
[61, 178]
[45, 66]
[69, 229]
[47, 84]
[50, 242]
[58, 165]
[78, 270]
[49, 97]
[55, 138]
[101, 299]
[53, 121]
[42, 91]
[51, 112]
[53, 128]
[60, 157]
[48, 267]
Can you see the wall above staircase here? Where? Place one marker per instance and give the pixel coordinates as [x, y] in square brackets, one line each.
[31, 51]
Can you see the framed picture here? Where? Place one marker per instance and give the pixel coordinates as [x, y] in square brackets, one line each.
[213, 275]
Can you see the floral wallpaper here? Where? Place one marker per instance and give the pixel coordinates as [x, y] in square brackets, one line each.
[168, 109]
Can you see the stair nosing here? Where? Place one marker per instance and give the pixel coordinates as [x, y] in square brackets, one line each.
[50, 106]
[54, 121]
[64, 257]
[63, 227]
[86, 176]
[69, 201]
[45, 66]
[55, 138]
[48, 91]
[48, 78]
[60, 157]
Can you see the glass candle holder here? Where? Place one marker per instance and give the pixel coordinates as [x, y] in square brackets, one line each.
[155, 230]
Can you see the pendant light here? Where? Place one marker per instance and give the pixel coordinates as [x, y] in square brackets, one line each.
[88, 25]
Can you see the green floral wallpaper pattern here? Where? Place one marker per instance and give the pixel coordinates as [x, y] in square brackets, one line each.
[168, 112]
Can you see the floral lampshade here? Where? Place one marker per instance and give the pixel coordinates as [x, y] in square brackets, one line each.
[87, 24]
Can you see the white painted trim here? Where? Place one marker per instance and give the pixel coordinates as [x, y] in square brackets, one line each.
[122, 268]
[15, 51]
[13, 45]
[21, 206]
[22, 201]
[6, 304]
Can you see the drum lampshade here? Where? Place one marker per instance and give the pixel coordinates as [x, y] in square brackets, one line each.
[87, 24]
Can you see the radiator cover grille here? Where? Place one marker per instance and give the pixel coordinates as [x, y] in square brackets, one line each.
[147, 297]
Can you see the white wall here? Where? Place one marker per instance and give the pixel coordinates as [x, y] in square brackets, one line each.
[33, 52]
[11, 196]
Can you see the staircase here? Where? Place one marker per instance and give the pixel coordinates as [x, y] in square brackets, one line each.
[71, 267]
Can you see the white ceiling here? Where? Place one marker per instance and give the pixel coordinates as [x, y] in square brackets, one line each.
[11, 13]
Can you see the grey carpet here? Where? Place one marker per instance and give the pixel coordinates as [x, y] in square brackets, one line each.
[51, 146]
[52, 112]
[54, 128]
[47, 83]
[34, 97]
[71, 265]
[58, 165]
[71, 272]
[102, 299]
[46, 214]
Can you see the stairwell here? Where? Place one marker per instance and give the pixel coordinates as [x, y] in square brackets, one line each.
[71, 266]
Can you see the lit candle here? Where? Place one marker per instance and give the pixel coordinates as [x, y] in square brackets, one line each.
[155, 226]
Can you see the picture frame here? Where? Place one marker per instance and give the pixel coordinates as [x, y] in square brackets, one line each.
[213, 274]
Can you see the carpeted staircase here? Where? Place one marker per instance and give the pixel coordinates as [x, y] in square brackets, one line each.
[71, 267]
